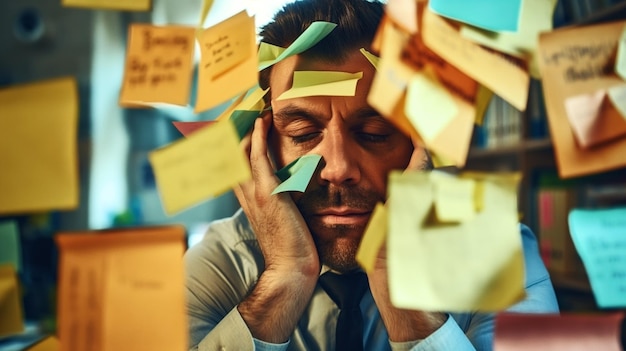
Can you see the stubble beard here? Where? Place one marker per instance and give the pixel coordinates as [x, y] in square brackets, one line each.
[337, 244]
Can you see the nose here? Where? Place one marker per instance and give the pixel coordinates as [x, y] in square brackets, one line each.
[340, 159]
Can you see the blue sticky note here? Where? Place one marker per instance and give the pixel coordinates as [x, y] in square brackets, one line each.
[600, 239]
[493, 15]
[297, 175]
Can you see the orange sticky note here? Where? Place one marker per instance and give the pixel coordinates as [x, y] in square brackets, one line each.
[122, 289]
[228, 63]
[567, 73]
[127, 5]
[38, 154]
[488, 68]
[158, 65]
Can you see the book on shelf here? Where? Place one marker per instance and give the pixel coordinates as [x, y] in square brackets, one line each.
[501, 125]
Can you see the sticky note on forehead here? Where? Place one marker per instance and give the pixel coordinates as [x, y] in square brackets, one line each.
[322, 83]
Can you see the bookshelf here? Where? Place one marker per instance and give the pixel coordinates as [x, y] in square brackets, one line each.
[532, 154]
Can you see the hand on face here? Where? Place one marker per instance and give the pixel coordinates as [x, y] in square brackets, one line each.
[282, 234]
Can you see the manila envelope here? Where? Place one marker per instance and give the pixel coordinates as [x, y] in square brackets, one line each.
[453, 241]
[575, 61]
[122, 289]
[12, 320]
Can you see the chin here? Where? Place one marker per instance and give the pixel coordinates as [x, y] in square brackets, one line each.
[338, 248]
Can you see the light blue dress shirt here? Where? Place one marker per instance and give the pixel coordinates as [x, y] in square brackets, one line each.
[224, 267]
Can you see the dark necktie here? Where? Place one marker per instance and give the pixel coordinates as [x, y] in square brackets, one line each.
[346, 290]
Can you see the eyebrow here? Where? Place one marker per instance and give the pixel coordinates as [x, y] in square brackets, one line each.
[291, 112]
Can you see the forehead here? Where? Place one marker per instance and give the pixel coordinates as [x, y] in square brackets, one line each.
[281, 77]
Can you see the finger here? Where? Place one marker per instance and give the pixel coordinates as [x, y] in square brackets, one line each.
[259, 160]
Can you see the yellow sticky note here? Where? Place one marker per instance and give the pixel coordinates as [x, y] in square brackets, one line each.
[535, 17]
[454, 198]
[373, 59]
[474, 265]
[322, 83]
[268, 53]
[373, 238]
[38, 154]
[204, 12]
[620, 61]
[12, 321]
[121, 289]
[158, 65]
[50, 343]
[490, 69]
[203, 165]
[228, 62]
[429, 106]
[124, 5]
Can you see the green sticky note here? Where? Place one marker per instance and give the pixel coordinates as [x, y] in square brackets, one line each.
[243, 120]
[620, 61]
[10, 248]
[297, 175]
[311, 36]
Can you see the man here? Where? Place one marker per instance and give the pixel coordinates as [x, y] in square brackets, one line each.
[254, 282]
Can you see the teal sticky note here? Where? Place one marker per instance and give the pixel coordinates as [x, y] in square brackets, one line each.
[311, 36]
[243, 120]
[10, 247]
[600, 239]
[493, 15]
[297, 175]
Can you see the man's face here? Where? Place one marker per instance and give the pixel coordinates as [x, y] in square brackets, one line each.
[358, 147]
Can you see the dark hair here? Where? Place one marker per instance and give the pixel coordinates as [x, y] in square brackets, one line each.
[356, 20]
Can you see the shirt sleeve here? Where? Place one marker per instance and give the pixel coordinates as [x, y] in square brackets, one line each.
[220, 272]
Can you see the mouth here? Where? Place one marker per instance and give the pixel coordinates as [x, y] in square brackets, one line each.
[342, 216]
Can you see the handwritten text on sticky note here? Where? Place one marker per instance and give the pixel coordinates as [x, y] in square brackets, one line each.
[158, 64]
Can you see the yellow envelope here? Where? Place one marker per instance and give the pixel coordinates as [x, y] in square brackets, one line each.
[228, 63]
[491, 69]
[124, 5]
[122, 289]
[535, 17]
[373, 238]
[322, 83]
[474, 263]
[158, 65]
[574, 62]
[12, 321]
[203, 165]
[38, 153]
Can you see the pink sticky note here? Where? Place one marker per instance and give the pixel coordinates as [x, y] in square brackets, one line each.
[186, 128]
[552, 332]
